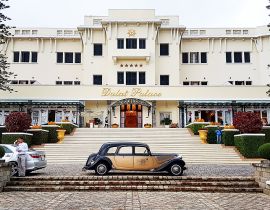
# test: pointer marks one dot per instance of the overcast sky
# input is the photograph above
(192, 13)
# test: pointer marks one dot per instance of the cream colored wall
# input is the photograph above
(167, 106)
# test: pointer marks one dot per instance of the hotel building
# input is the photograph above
(133, 67)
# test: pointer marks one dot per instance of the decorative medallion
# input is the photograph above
(131, 32)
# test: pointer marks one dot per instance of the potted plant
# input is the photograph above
(51, 123)
(174, 125)
(36, 127)
(166, 121)
(115, 125)
(203, 135)
(2, 154)
(264, 152)
(148, 125)
(61, 133)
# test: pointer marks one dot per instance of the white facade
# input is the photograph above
(137, 49)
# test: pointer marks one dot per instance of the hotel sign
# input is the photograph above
(134, 92)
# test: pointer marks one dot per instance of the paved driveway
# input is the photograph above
(133, 200)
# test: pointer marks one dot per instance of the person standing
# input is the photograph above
(219, 134)
(106, 122)
(21, 148)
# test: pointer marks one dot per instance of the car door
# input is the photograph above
(123, 158)
(143, 161)
(8, 154)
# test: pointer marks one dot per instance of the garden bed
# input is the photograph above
(196, 126)
(68, 126)
(10, 138)
(228, 136)
(52, 137)
(40, 136)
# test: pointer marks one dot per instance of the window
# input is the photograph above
(247, 57)
(186, 83)
(34, 57)
(68, 82)
(125, 151)
(204, 83)
(120, 78)
(248, 82)
(142, 43)
(120, 43)
(97, 79)
(237, 57)
(25, 57)
(228, 57)
(131, 78)
(195, 83)
(184, 57)
(239, 83)
(236, 32)
(164, 49)
(245, 32)
(14, 82)
(203, 57)
(194, 57)
(58, 82)
(164, 79)
(131, 43)
(77, 57)
(77, 82)
(68, 57)
(142, 151)
(111, 151)
(141, 77)
(7, 150)
(16, 57)
(230, 82)
(59, 57)
(97, 49)
(23, 82)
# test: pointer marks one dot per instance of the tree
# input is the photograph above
(4, 34)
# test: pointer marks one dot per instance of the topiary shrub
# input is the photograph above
(211, 134)
(195, 127)
(52, 138)
(247, 122)
(2, 152)
(39, 136)
(264, 151)
(10, 138)
(69, 127)
(228, 137)
(2, 130)
(266, 131)
(18, 122)
(248, 144)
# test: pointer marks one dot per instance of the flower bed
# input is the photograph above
(52, 137)
(10, 138)
(228, 136)
(196, 126)
(39, 136)
(248, 144)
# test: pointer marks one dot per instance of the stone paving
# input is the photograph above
(133, 200)
(193, 170)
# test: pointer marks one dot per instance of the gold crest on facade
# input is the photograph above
(131, 32)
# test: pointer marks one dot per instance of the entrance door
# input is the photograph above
(51, 117)
(131, 119)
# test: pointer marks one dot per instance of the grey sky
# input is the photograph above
(192, 13)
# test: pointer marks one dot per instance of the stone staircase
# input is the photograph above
(134, 183)
(77, 147)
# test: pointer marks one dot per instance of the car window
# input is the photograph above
(7, 150)
(111, 151)
(141, 151)
(125, 151)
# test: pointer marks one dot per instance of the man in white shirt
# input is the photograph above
(21, 148)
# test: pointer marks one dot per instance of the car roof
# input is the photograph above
(123, 143)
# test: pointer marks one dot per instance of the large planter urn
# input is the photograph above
(203, 136)
(61, 135)
(115, 125)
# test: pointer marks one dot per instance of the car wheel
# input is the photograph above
(101, 169)
(176, 169)
(14, 169)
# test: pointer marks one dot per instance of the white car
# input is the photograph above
(35, 159)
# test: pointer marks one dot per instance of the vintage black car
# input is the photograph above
(133, 156)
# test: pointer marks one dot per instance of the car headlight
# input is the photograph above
(92, 162)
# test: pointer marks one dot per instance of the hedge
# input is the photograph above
(266, 131)
(69, 127)
(211, 134)
(248, 144)
(10, 138)
(196, 126)
(52, 138)
(39, 136)
(228, 136)
(2, 130)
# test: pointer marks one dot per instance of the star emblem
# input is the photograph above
(131, 32)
